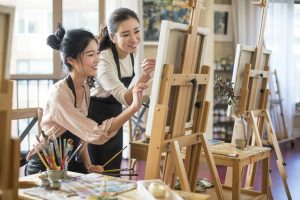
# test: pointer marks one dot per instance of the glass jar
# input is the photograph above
(240, 127)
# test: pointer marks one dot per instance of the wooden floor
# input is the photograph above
(290, 155)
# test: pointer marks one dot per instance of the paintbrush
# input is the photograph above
(60, 150)
(53, 156)
(117, 170)
(55, 144)
(74, 153)
(44, 150)
(119, 174)
(41, 158)
(114, 157)
(69, 147)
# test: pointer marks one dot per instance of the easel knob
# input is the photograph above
(194, 81)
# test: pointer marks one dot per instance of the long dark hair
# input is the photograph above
(71, 44)
(116, 18)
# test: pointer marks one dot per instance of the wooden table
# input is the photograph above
(33, 180)
(226, 154)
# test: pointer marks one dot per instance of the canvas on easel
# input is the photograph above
(178, 110)
(9, 147)
(250, 77)
(245, 55)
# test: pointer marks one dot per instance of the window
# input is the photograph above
(297, 48)
(81, 14)
(33, 66)
(33, 24)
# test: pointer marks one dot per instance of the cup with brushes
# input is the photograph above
(55, 157)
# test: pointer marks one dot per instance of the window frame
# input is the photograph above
(58, 73)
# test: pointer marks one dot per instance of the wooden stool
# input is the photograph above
(227, 155)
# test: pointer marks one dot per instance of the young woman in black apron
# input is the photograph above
(118, 42)
(65, 114)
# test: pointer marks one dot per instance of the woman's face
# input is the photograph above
(127, 37)
(88, 61)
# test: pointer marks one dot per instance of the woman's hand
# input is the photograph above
(148, 67)
(95, 169)
(137, 94)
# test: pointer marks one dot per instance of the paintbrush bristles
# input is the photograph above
(56, 153)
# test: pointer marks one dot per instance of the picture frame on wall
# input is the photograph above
(154, 11)
(223, 24)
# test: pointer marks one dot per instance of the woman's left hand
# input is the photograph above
(95, 169)
(148, 66)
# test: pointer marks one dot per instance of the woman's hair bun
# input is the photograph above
(60, 32)
(55, 39)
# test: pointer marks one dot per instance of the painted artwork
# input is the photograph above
(157, 10)
(223, 29)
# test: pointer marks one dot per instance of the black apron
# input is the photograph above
(101, 109)
(35, 165)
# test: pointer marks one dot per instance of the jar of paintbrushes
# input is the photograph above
(55, 155)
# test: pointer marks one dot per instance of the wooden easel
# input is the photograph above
(191, 87)
(253, 103)
(9, 147)
(276, 110)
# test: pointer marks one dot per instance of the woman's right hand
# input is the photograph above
(148, 66)
(137, 94)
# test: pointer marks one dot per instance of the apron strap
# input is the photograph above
(132, 62)
(116, 58)
(71, 86)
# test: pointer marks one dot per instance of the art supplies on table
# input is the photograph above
(83, 186)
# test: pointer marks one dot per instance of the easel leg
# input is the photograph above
(194, 161)
(251, 170)
(212, 167)
(169, 171)
(14, 166)
(179, 166)
(279, 161)
(250, 177)
(152, 170)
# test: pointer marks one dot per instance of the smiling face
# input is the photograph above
(86, 63)
(127, 37)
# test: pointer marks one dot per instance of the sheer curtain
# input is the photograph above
(246, 21)
(278, 37)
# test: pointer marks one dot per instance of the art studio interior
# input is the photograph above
(149, 99)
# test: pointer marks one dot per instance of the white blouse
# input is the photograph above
(107, 80)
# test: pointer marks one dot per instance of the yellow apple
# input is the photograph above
(157, 189)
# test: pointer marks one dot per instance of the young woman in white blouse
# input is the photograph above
(65, 114)
(118, 42)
